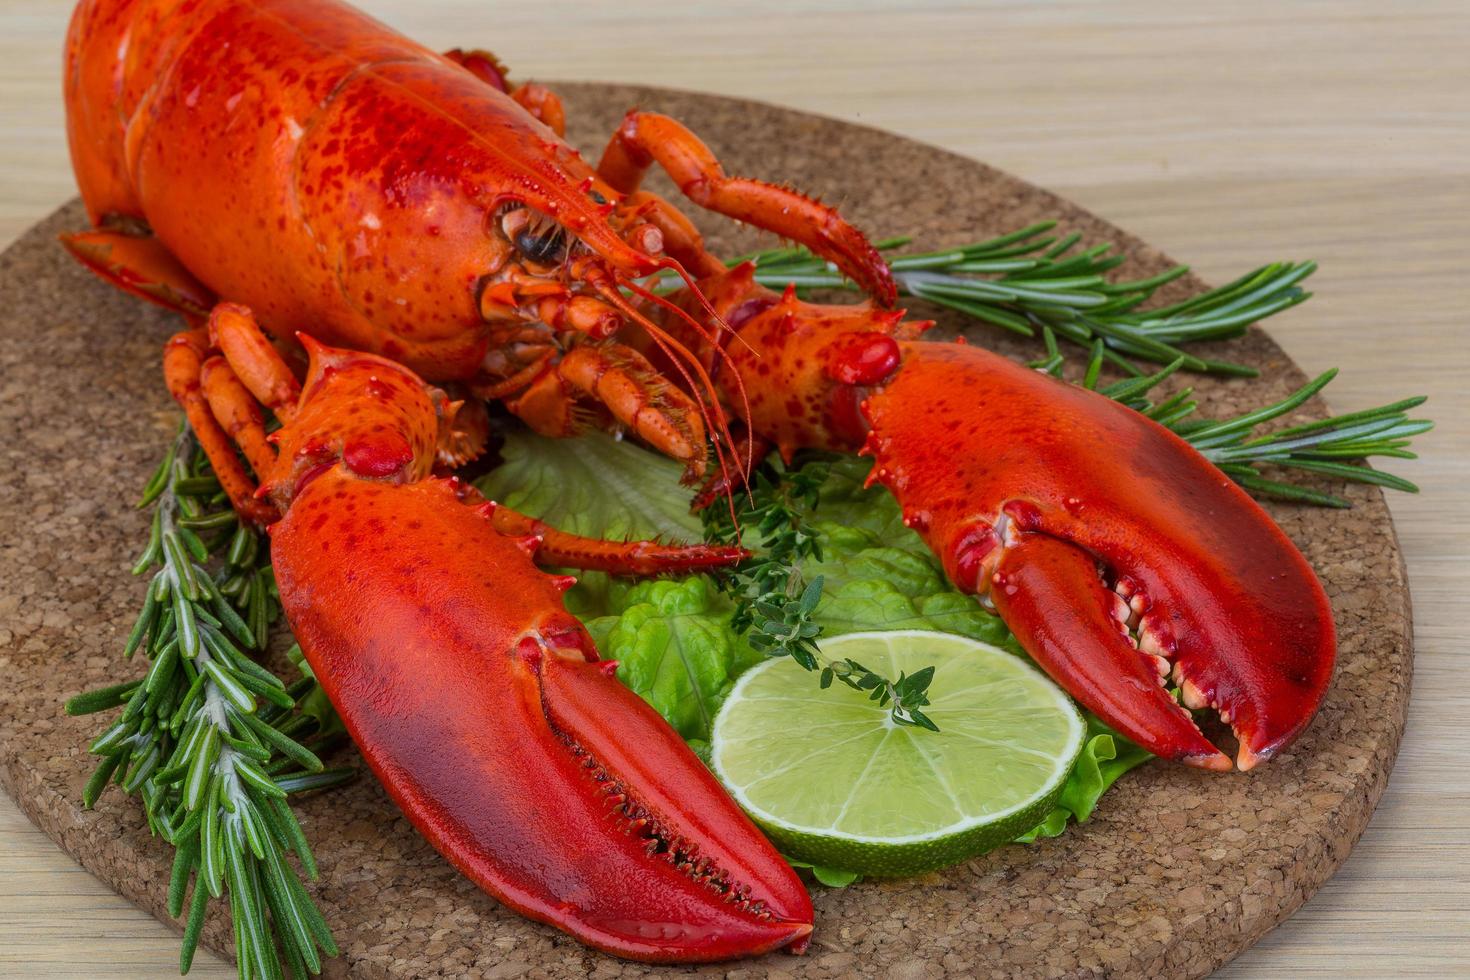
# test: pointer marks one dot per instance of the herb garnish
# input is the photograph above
(774, 603)
(209, 739)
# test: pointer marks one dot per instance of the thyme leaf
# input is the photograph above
(775, 603)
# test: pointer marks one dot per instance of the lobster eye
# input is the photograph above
(536, 237)
(545, 247)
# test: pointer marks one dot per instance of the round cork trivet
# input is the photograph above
(1175, 873)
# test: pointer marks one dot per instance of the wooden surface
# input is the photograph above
(1226, 137)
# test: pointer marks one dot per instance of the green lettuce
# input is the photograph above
(674, 645)
(1106, 756)
(596, 486)
(831, 877)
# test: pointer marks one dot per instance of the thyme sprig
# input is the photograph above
(1029, 280)
(775, 604)
(211, 741)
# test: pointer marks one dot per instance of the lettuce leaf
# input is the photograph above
(831, 877)
(594, 485)
(675, 648)
(844, 502)
(597, 486)
(1106, 756)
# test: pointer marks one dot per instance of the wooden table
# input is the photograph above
(1228, 136)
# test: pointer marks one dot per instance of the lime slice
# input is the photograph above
(835, 782)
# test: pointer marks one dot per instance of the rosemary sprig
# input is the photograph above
(1029, 281)
(774, 604)
(1335, 446)
(210, 740)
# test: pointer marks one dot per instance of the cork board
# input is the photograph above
(1177, 871)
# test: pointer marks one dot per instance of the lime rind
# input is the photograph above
(834, 781)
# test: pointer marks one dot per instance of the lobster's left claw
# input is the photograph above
(1118, 555)
(1094, 530)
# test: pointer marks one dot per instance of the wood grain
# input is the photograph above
(1226, 136)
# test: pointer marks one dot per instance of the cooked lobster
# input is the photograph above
(422, 215)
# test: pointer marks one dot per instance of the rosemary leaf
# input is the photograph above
(205, 728)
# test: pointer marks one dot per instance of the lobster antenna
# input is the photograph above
(718, 351)
(668, 262)
(678, 355)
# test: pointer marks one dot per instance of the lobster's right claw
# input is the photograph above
(478, 702)
(1119, 556)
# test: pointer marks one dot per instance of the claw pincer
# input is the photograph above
(1121, 558)
(479, 701)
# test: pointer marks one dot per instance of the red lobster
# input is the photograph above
(419, 211)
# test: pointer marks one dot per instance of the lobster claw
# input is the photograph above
(1118, 555)
(478, 702)
(1049, 592)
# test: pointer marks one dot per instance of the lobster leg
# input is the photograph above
(183, 363)
(483, 65)
(623, 382)
(638, 396)
(538, 100)
(237, 412)
(646, 138)
(258, 365)
(554, 547)
(139, 264)
(542, 103)
(678, 236)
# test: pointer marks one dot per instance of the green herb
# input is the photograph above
(209, 740)
(1333, 446)
(1030, 281)
(775, 605)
